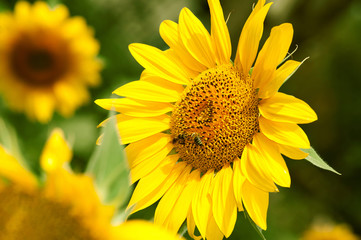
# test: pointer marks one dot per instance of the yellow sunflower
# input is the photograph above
(328, 231)
(47, 60)
(64, 206)
(205, 134)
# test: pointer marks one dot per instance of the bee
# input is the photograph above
(180, 139)
(197, 139)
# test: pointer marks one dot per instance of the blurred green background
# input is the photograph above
(329, 31)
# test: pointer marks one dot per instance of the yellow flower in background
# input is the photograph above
(205, 134)
(47, 60)
(327, 231)
(63, 206)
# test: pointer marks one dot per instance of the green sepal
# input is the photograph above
(254, 225)
(288, 56)
(109, 166)
(316, 160)
(289, 76)
(53, 3)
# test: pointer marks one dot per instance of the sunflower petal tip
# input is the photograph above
(133, 46)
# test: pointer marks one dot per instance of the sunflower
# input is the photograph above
(206, 134)
(64, 206)
(47, 60)
(328, 231)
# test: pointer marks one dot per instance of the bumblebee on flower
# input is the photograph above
(206, 135)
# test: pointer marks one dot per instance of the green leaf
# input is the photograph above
(109, 167)
(4, 7)
(255, 226)
(316, 160)
(8, 139)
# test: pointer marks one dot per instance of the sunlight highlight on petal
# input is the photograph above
(276, 46)
(196, 38)
(289, 134)
(250, 37)
(286, 108)
(224, 204)
(202, 203)
(159, 63)
(219, 33)
(144, 90)
(133, 129)
(256, 203)
(135, 108)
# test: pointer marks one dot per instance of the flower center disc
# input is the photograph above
(215, 118)
(39, 58)
(32, 217)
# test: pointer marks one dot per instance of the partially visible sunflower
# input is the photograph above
(64, 206)
(329, 231)
(205, 134)
(47, 60)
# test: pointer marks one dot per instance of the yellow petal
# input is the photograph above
(272, 160)
(182, 204)
(135, 108)
(134, 129)
(12, 170)
(138, 229)
(157, 62)
(219, 33)
(173, 207)
(281, 75)
(196, 38)
(22, 11)
(224, 203)
(145, 148)
(150, 183)
(149, 164)
(48, 17)
(251, 35)
(285, 108)
(252, 165)
(213, 231)
(144, 90)
(40, 106)
(289, 134)
(169, 32)
(256, 204)
(292, 152)
(70, 94)
(191, 225)
(238, 180)
(56, 152)
(162, 82)
(152, 187)
(273, 52)
(172, 55)
(202, 203)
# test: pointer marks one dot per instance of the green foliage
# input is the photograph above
(316, 160)
(8, 139)
(109, 167)
(254, 225)
(325, 30)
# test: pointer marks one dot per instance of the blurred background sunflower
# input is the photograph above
(47, 60)
(327, 31)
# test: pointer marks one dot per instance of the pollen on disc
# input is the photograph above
(215, 118)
